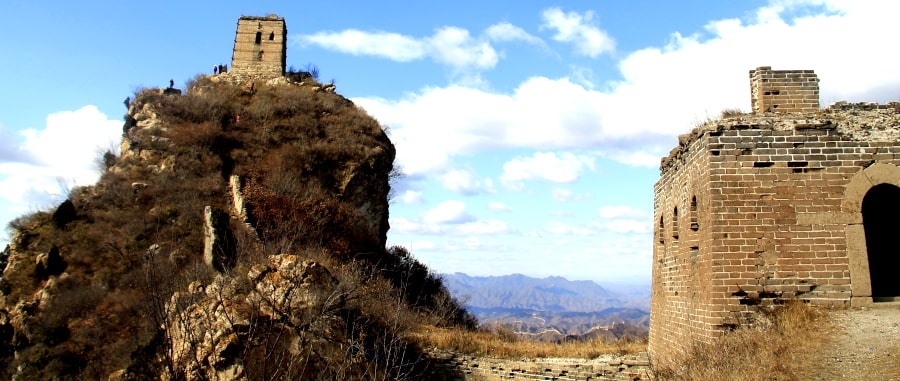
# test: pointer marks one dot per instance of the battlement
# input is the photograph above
(783, 91)
(260, 48)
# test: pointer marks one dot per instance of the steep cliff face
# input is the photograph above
(239, 229)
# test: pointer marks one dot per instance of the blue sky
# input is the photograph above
(530, 132)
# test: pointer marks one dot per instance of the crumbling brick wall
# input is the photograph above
(784, 90)
(757, 208)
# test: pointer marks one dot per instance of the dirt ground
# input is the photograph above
(864, 345)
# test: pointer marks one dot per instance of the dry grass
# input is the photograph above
(500, 345)
(780, 345)
(731, 112)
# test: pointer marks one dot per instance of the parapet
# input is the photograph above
(783, 91)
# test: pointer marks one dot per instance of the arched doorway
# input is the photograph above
(881, 221)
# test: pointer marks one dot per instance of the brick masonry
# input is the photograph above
(756, 208)
(784, 90)
(260, 48)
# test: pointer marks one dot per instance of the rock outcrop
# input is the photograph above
(240, 234)
(219, 325)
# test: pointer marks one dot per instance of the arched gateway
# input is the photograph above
(872, 202)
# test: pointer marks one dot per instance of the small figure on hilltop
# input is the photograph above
(127, 102)
(171, 83)
(215, 70)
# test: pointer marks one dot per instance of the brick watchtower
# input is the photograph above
(260, 47)
(788, 202)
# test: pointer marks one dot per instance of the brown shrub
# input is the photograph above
(776, 344)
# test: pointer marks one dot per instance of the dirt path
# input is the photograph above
(865, 345)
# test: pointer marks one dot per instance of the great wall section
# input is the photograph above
(787, 202)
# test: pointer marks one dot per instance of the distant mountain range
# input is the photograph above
(536, 306)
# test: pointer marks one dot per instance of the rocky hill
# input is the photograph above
(240, 234)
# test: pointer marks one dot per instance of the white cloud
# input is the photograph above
(623, 219)
(448, 212)
(504, 31)
(464, 181)
(473, 244)
(564, 168)
(580, 30)
(71, 141)
(392, 46)
(411, 197)
(36, 172)
(455, 47)
(424, 245)
(620, 211)
(404, 225)
(484, 227)
(663, 90)
(63, 153)
(495, 206)
(566, 195)
(448, 45)
(10, 150)
(560, 228)
(623, 226)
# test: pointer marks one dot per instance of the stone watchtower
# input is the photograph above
(788, 202)
(260, 47)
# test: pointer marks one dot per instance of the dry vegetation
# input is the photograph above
(779, 345)
(499, 342)
(127, 244)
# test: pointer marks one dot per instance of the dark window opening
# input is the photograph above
(272, 36)
(763, 164)
(661, 231)
(258, 37)
(795, 164)
(695, 224)
(881, 221)
(675, 223)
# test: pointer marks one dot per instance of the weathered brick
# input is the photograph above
(751, 214)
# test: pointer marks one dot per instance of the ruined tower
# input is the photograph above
(784, 90)
(260, 47)
(788, 202)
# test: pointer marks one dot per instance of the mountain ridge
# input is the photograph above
(551, 308)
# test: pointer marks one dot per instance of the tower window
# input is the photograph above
(272, 36)
(675, 223)
(661, 231)
(258, 37)
(695, 224)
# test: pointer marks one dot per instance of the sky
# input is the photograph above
(529, 133)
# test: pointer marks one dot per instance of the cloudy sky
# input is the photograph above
(530, 135)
